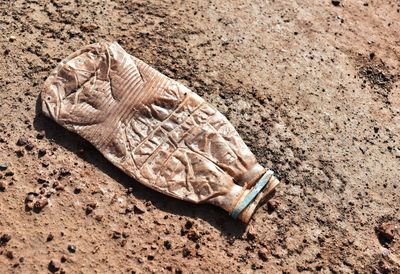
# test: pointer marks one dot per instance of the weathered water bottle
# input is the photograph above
(155, 129)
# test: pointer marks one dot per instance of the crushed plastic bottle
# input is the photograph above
(155, 129)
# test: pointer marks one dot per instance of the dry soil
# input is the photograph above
(313, 87)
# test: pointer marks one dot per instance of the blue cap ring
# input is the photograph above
(262, 182)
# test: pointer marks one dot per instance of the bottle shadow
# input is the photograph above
(216, 217)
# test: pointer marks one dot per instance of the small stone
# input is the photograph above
(22, 141)
(29, 205)
(9, 173)
(185, 252)
(188, 224)
(42, 181)
(40, 204)
(63, 259)
(77, 190)
(59, 188)
(372, 55)
(10, 255)
(3, 166)
(251, 235)
(385, 233)
(89, 27)
(29, 146)
(4, 239)
(3, 186)
(167, 244)
(12, 38)
(98, 217)
(54, 266)
(125, 234)
(30, 197)
(193, 236)
(336, 2)
(272, 205)
(71, 248)
(90, 207)
(385, 252)
(88, 210)
(41, 152)
(262, 255)
(20, 153)
(384, 267)
(64, 172)
(45, 164)
(116, 235)
(138, 210)
(40, 135)
(150, 257)
(129, 208)
(129, 190)
(50, 237)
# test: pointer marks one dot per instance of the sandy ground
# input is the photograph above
(313, 87)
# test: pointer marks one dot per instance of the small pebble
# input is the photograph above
(167, 244)
(386, 232)
(3, 166)
(251, 236)
(185, 252)
(22, 141)
(98, 217)
(193, 236)
(64, 172)
(188, 224)
(336, 2)
(129, 190)
(50, 237)
(41, 152)
(54, 266)
(71, 248)
(138, 210)
(3, 186)
(59, 188)
(9, 173)
(272, 205)
(20, 153)
(88, 210)
(4, 239)
(129, 208)
(40, 204)
(262, 255)
(40, 135)
(12, 38)
(30, 197)
(116, 235)
(29, 146)
(10, 255)
(150, 257)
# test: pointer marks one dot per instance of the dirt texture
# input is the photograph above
(313, 87)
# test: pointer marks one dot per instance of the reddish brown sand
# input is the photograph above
(313, 87)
